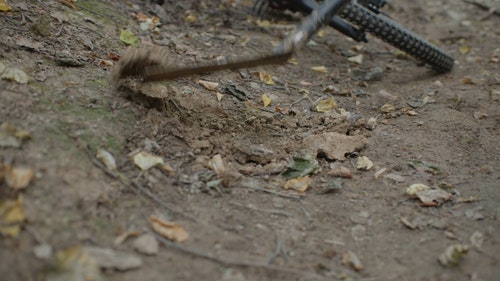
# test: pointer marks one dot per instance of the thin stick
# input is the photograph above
(291, 44)
(491, 10)
(232, 262)
(136, 186)
(268, 211)
(290, 196)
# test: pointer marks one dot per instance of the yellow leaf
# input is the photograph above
(169, 230)
(300, 184)
(326, 105)
(146, 160)
(321, 33)
(219, 96)
(266, 100)
(263, 23)
(128, 37)
(319, 69)
(4, 7)
(293, 61)
(11, 217)
(266, 78)
(468, 80)
(211, 86)
(356, 59)
(464, 49)
(387, 108)
(189, 17)
(75, 263)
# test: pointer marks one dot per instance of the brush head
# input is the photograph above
(133, 62)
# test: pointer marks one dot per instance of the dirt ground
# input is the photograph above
(227, 157)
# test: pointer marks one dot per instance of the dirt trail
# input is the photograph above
(227, 156)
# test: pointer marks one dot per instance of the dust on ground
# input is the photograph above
(225, 155)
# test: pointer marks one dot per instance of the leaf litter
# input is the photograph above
(169, 230)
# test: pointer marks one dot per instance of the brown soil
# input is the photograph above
(443, 131)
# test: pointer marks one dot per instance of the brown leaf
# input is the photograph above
(17, 178)
(300, 184)
(169, 230)
(266, 78)
(433, 197)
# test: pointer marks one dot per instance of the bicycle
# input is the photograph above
(152, 65)
(367, 16)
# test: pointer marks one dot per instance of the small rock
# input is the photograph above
(43, 251)
(375, 74)
(146, 244)
(395, 177)
(111, 259)
(474, 214)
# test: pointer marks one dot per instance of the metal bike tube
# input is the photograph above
(310, 25)
(292, 43)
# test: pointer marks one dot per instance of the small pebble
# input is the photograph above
(146, 244)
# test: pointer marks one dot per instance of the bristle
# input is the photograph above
(133, 61)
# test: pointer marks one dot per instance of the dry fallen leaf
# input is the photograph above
(293, 61)
(266, 78)
(211, 86)
(387, 108)
(106, 158)
(141, 17)
(14, 74)
(319, 69)
(169, 230)
(18, 177)
(300, 184)
(364, 163)
(219, 96)
(75, 264)
(266, 100)
(433, 197)
(453, 254)
(416, 187)
(356, 59)
(11, 136)
(464, 49)
(11, 217)
(263, 23)
(326, 105)
(4, 7)
(217, 164)
(350, 259)
(146, 161)
(189, 17)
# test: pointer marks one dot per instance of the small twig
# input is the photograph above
(284, 195)
(232, 262)
(269, 211)
(278, 251)
(491, 10)
(133, 183)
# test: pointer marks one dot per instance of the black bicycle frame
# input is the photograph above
(310, 25)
